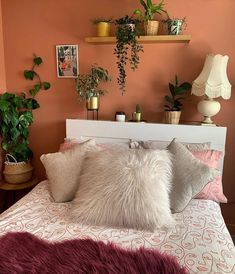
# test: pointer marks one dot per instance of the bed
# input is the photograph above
(199, 239)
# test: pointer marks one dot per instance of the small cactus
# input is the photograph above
(138, 108)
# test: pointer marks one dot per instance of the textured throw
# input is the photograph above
(25, 253)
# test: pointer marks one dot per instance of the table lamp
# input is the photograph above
(212, 82)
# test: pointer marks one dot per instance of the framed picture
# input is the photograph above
(67, 61)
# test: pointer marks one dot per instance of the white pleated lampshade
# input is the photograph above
(213, 80)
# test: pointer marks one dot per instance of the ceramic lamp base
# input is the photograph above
(208, 108)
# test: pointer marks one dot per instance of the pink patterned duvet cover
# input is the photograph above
(199, 240)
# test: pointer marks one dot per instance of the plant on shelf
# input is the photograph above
(126, 40)
(87, 86)
(175, 25)
(150, 9)
(174, 101)
(103, 26)
(16, 115)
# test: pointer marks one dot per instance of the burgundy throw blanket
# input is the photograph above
(25, 253)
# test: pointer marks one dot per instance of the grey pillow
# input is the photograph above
(163, 145)
(190, 176)
(125, 188)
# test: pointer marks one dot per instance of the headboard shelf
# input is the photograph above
(111, 131)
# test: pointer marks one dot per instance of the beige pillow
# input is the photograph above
(163, 145)
(125, 188)
(190, 176)
(63, 170)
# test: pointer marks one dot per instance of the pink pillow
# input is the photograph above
(214, 190)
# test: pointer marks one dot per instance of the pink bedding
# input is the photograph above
(199, 239)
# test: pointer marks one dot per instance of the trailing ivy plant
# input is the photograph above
(16, 115)
(127, 48)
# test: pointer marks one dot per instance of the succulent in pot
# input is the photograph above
(16, 115)
(150, 9)
(87, 86)
(127, 48)
(174, 101)
(137, 113)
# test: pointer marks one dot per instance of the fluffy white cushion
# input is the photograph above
(63, 170)
(190, 176)
(125, 188)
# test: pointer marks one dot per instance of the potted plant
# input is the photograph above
(175, 25)
(174, 105)
(15, 118)
(127, 47)
(87, 86)
(137, 114)
(150, 9)
(103, 26)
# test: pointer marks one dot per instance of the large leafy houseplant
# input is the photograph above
(87, 85)
(174, 101)
(16, 115)
(127, 47)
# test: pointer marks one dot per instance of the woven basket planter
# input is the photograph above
(172, 117)
(17, 173)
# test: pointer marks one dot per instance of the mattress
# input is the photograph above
(199, 239)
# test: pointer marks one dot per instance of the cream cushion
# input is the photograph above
(124, 188)
(63, 170)
(190, 176)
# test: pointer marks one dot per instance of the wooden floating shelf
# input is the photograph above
(143, 39)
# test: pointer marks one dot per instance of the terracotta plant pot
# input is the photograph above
(103, 29)
(93, 103)
(17, 173)
(172, 117)
(151, 27)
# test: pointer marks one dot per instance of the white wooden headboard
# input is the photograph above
(107, 131)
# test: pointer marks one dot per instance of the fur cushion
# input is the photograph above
(63, 170)
(125, 188)
(190, 176)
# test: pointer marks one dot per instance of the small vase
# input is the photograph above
(136, 116)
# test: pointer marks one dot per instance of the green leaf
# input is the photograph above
(46, 85)
(187, 86)
(138, 12)
(172, 89)
(37, 87)
(32, 104)
(29, 74)
(169, 99)
(37, 60)
(32, 92)
(144, 4)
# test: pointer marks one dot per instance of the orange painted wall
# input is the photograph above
(37, 26)
(2, 59)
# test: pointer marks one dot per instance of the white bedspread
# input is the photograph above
(199, 240)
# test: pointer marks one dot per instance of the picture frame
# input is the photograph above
(67, 61)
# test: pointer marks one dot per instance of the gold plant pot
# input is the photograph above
(151, 27)
(103, 29)
(93, 103)
(172, 117)
(136, 116)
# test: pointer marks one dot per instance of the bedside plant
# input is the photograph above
(126, 36)
(87, 86)
(15, 118)
(174, 105)
(150, 9)
(137, 114)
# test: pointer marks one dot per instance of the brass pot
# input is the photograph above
(172, 117)
(93, 103)
(136, 116)
(103, 29)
